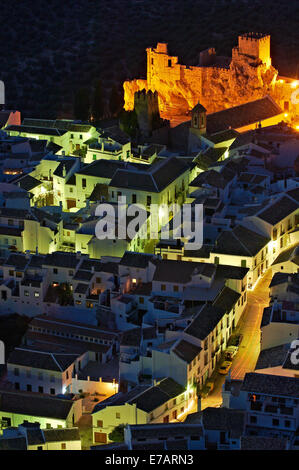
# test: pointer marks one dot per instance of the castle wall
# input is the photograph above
(180, 87)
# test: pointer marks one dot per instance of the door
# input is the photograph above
(100, 437)
(71, 203)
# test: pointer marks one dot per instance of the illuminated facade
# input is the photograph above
(217, 82)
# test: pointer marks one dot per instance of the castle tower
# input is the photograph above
(256, 45)
(199, 119)
(147, 110)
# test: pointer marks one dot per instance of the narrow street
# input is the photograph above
(249, 328)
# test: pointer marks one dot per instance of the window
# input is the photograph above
(253, 419)
(169, 62)
(216, 260)
(94, 157)
(98, 280)
(163, 287)
(287, 423)
(117, 415)
(36, 294)
(11, 272)
(40, 389)
(134, 198)
(52, 391)
(275, 422)
(55, 271)
(83, 183)
(243, 263)
(175, 288)
(63, 446)
(29, 388)
(148, 200)
(26, 293)
(99, 423)
(141, 300)
(17, 386)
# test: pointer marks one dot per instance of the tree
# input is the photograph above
(117, 435)
(97, 107)
(115, 101)
(82, 105)
(128, 122)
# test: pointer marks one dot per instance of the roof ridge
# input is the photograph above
(56, 362)
(244, 246)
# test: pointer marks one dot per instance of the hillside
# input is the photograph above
(52, 48)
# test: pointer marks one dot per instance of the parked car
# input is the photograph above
(230, 352)
(224, 367)
(236, 340)
(207, 389)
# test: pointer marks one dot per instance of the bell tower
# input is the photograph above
(199, 119)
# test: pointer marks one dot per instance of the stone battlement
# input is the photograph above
(217, 83)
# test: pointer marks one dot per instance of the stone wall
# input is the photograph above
(249, 76)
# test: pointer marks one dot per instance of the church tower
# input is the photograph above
(199, 119)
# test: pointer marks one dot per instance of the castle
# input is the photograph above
(217, 82)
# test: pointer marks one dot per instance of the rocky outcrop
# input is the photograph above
(246, 79)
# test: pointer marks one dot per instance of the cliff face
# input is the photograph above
(246, 79)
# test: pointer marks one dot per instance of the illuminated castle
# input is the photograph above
(217, 82)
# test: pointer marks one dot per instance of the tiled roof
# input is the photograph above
(272, 357)
(278, 210)
(41, 360)
(61, 259)
(35, 130)
(263, 443)
(66, 164)
(205, 321)
(155, 179)
(227, 299)
(157, 395)
(28, 182)
(136, 260)
(212, 155)
(242, 115)
(275, 385)
(240, 242)
(181, 272)
(59, 435)
(42, 406)
(186, 350)
(224, 419)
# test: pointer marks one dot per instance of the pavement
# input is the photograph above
(248, 353)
